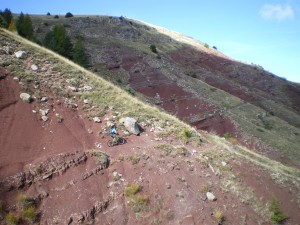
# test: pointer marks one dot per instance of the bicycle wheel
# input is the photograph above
(121, 141)
(110, 143)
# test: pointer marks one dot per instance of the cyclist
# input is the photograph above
(113, 133)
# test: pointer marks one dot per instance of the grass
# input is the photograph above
(30, 214)
(138, 202)
(24, 202)
(132, 189)
(12, 219)
(219, 216)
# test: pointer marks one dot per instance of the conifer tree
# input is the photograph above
(79, 55)
(24, 26)
(7, 17)
(58, 41)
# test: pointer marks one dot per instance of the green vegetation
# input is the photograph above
(153, 48)
(68, 14)
(12, 219)
(79, 55)
(58, 41)
(24, 26)
(138, 202)
(24, 202)
(30, 214)
(132, 189)
(219, 216)
(277, 215)
(5, 18)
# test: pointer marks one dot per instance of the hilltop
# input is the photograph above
(64, 168)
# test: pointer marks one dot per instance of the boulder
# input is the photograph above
(131, 125)
(21, 54)
(26, 97)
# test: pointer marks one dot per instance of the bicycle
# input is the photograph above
(119, 141)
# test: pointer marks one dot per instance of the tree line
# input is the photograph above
(56, 39)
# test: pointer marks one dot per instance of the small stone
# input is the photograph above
(44, 99)
(34, 67)
(86, 101)
(87, 88)
(26, 97)
(16, 79)
(223, 163)
(21, 54)
(44, 112)
(168, 186)
(45, 118)
(72, 88)
(97, 119)
(210, 196)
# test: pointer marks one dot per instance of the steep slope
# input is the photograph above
(68, 175)
(197, 84)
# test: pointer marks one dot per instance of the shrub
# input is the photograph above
(132, 189)
(227, 135)
(185, 134)
(206, 45)
(204, 188)
(68, 14)
(30, 214)
(277, 215)
(153, 48)
(218, 214)
(12, 219)
(139, 203)
(56, 17)
(48, 14)
(24, 202)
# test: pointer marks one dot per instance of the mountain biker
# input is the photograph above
(113, 132)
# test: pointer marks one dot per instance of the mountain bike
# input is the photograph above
(116, 141)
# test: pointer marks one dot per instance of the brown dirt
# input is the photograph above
(80, 191)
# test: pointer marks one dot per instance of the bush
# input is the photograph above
(185, 134)
(24, 202)
(277, 215)
(153, 48)
(30, 214)
(139, 203)
(48, 14)
(56, 17)
(12, 219)
(68, 14)
(218, 214)
(227, 135)
(132, 189)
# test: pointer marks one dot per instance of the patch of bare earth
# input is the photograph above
(61, 166)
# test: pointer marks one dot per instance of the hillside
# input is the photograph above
(191, 81)
(54, 159)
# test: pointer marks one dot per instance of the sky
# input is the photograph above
(261, 32)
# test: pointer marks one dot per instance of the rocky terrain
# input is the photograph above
(191, 81)
(55, 161)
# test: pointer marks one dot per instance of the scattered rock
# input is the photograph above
(21, 54)
(87, 88)
(44, 99)
(45, 118)
(86, 101)
(6, 50)
(72, 88)
(131, 125)
(97, 119)
(34, 67)
(26, 97)
(210, 196)
(168, 186)
(44, 112)
(16, 79)
(223, 163)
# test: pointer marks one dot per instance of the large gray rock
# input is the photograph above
(131, 125)
(21, 54)
(26, 97)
